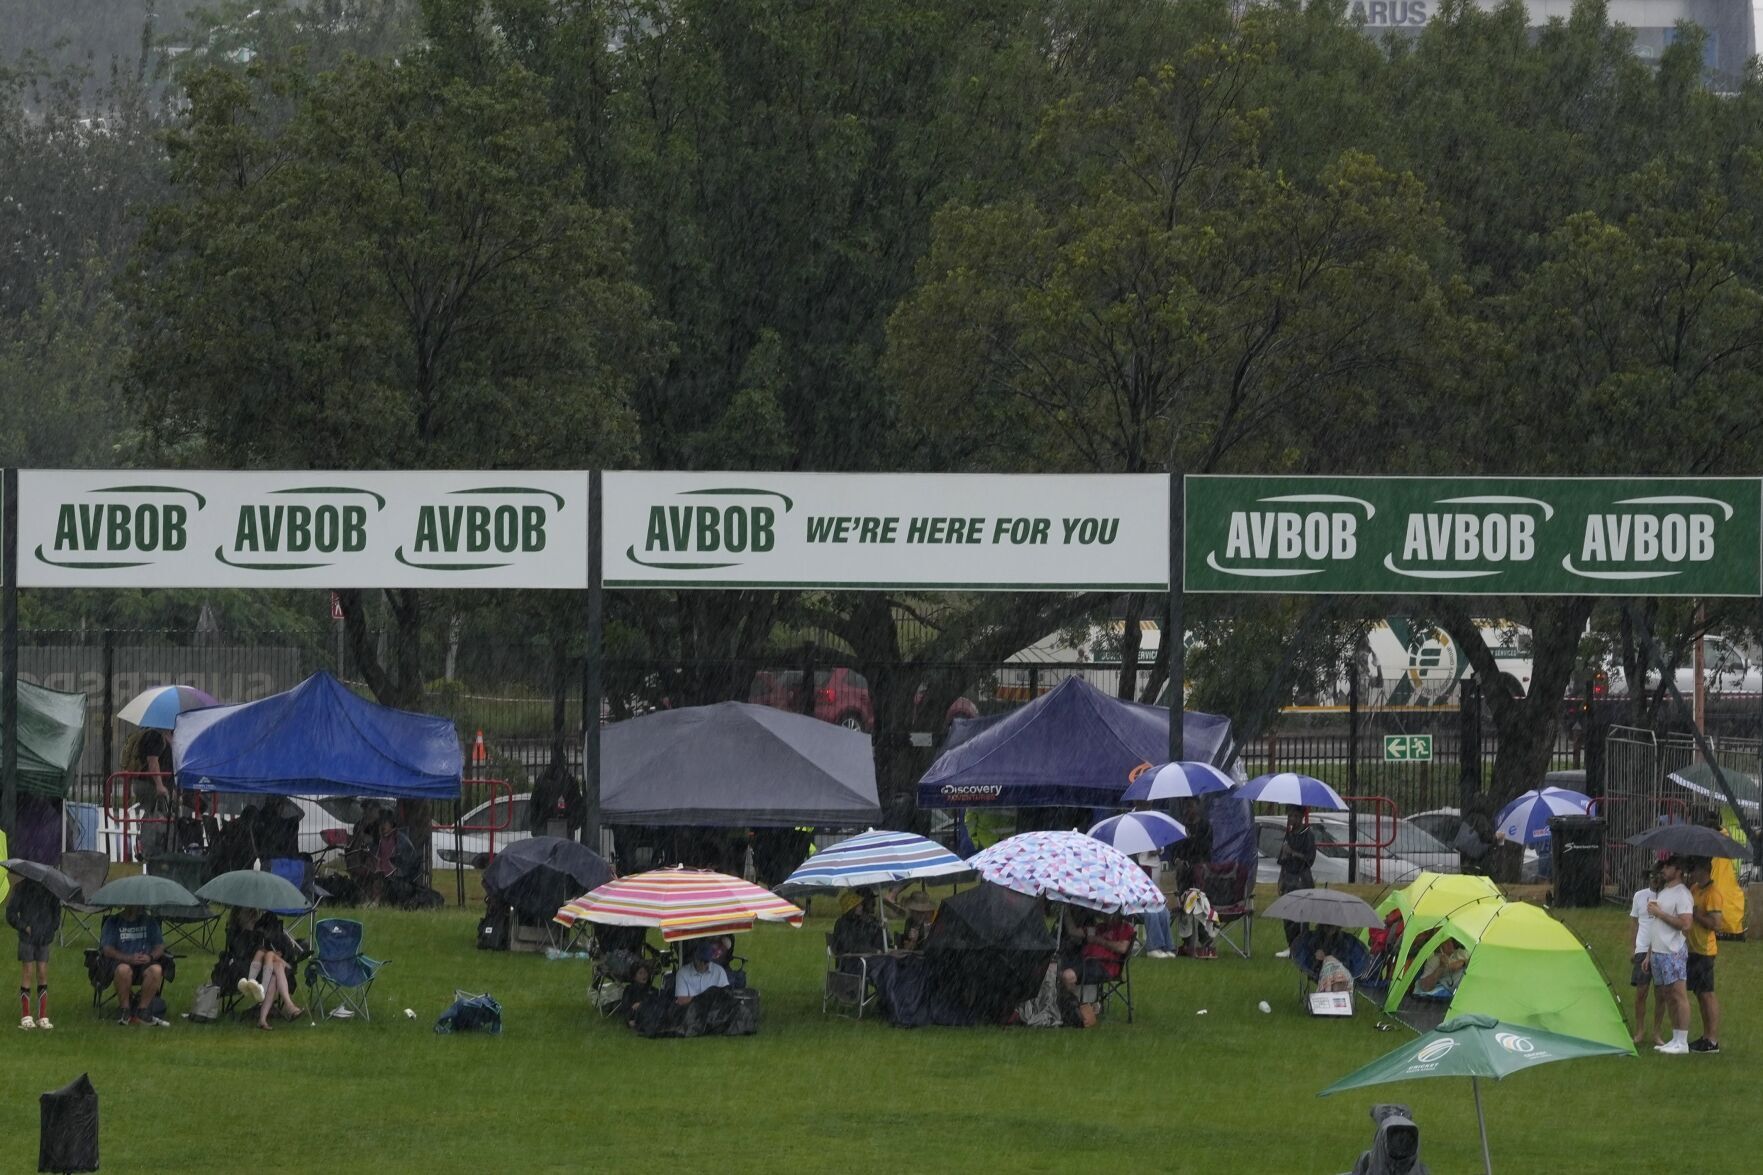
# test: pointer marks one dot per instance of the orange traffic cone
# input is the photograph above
(479, 756)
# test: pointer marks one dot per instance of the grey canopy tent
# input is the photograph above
(736, 765)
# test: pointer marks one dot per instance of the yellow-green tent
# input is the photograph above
(1426, 902)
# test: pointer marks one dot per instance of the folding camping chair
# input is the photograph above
(90, 870)
(340, 970)
(103, 988)
(191, 926)
(1119, 989)
(848, 989)
(1230, 887)
(297, 871)
(1354, 955)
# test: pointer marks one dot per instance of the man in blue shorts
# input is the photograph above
(132, 953)
(1668, 954)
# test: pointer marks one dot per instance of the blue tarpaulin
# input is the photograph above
(1074, 746)
(317, 739)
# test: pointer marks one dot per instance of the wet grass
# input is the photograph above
(561, 1089)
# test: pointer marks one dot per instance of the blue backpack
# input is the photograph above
(471, 1013)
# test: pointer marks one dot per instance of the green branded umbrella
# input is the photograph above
(253, 889)
(1475, 1047)
(143, 889)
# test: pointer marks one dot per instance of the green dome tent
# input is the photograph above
(1427, 901)
(51, 735)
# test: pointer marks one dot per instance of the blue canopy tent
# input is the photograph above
(318, 739)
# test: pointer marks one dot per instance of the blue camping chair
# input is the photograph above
(338, 971)
(297, 872)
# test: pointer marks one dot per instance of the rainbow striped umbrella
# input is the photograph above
(874, 858)
(682, 903)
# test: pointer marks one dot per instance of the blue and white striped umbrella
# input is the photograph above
(1526, 818)
(874, 858)
(1288, 787)
(159, 707)
(1139, 832)
(1174, 781)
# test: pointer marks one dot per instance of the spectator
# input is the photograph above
(858, 931)
(1194, 851)
(131, 953)
(1668, 955)
(35, 913)
(271, 964)
(148, 753)
(638, 988)
(1641, 973)
(1707, 921)
(700, 976)
(921, 908)
(1444, 971)
(1297, 855)
(1105, 943)
(1476, 835)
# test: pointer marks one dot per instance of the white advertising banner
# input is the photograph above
(929, 531)
(180, 528)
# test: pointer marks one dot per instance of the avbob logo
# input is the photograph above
(707, 533)
(1299, 531)
(108, 534)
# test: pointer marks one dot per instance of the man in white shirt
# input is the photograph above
(1668, 954)
(702, 975)
(1641, 973)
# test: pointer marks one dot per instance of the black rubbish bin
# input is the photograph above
(69, 1139)
(1578, 847)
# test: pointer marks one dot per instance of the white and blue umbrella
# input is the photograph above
(1526, 818)
(1139, 832)
(1175, 781)
(158, 708)
(874, 858)
(1288, 787)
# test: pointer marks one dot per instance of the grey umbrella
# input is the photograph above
(253, 890)
(1689, 840)
(65, 888)
(1325, 907)
(143, 889)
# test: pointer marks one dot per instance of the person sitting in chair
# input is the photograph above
(131, 953)
(700, 976)
(637, 989)
(1106, 942)
(1444, 971)
(921, 910)
(858, 930)
(259, 938)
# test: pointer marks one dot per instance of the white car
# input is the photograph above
(469, 845)
(1270, 831)
(1392, 866)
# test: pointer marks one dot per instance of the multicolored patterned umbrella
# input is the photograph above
(1527, 817)
(1174, 781)
(1288, 787)
(1140, 832)
(681, 903)
(874, 858)
(158, 708)
(1069, 867)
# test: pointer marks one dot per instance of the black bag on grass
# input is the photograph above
(492, 930)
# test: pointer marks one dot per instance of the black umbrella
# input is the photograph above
(537, 875)
(1324, 907)
(1689, 840)
(65, 888)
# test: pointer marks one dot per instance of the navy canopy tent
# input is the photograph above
(318, 739)
(1074, 746)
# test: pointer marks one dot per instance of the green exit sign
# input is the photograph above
(1407, 748)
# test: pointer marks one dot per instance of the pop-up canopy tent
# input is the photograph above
(51, 734)
(1073, 746)
(318, 739)
(736, 765)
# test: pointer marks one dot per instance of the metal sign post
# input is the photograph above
(9, 651)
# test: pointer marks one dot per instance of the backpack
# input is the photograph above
(471, 1013)
(492, 930)
(206, 1009)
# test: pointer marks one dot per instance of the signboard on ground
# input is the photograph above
(1407, 748)
(1474, 535)
(179, 528)
(927, 531)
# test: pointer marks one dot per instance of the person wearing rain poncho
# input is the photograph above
(1396, 1148)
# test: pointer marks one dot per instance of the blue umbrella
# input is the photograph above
(875, 858)
(1526, 818)
(158, 708)
(1288, 787)
(1174, 781)
(1139, 832)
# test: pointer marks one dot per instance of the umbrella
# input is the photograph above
(143, 889)
(1069, 867)
(1526, 818)
(1474, 1047)
(1325, 907)
(1689, 840)
(1139, 832)
(254, 890)
(65, 888)
(1174, 781)
(537, 875)
(874, 858)
(158, 708)
(683, 903)
(1288, 787)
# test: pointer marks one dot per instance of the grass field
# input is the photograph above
(561, 1089)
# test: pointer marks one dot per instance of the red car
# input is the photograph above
(840, 695)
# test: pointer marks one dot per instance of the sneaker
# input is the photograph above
(1704, 1045)
(27, 1024)
(156, 1022)
(1672, 1049)
(43, 1023)
(340, 1013)
(252, 991)
(126, 1019)
(1285, 954)
(1206, 953)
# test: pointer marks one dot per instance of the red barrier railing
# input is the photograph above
(1384, 816)
(498, 813)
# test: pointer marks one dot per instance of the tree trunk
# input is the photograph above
(1132, 638)
(395, 681)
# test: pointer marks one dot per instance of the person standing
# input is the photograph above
(1297, 856)
(35, 913)
(1668, 954)
(1641, 973)
(1703, 940)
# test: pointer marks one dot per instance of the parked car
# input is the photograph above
(1270, 831)
(841, 695)
(471, 847)
(1441, 824)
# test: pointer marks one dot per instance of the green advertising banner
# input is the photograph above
(1619, 536)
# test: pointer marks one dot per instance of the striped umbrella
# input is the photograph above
(682, 903)
(1288, 787)
(1139, 832)
(874, 858)
(1069, 867)
(1526, 818)
(158, 708)
(1174, 781)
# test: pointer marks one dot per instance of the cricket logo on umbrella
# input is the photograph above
(1514, 1043)
(1434, 1052)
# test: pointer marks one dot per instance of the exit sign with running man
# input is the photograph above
(1407, 748)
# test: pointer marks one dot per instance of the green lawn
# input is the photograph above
(1232, 1090)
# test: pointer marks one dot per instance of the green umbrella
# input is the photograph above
(1475, 1047)
(255, 890)
(143, 889)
